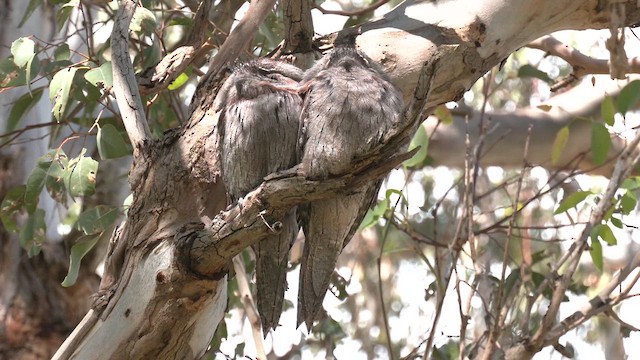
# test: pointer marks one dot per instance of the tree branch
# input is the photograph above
(159, 77)
(581, 63)
(125, 87)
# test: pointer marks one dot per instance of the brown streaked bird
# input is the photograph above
(260, 114)
(349, 105)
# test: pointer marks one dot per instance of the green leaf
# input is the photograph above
(73, 212)
(629, 96)
(65, 11)
(62, 53)
(373, 215)
(80, 175)
(600, 143)
(628, 203)
(23, 50)
(33, 233)
(21, 107)
(608, 110)
(559, 144)
(83, 245)
(595, 250)
(219, 334)
(616, 222)
(143, 21)
(111, 145)
(101, 76)
(607, 235)
(47, 170)
(420, 139)
(572, 201)
(59, 90)
(179, 81)
(97, 219)
(443, 114)
(631, 183)
(526, 71)
(13, 201)
(11, 74)
(33, 5)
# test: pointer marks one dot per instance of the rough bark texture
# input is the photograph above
(167, 291)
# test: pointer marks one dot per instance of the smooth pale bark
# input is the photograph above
(160, 307)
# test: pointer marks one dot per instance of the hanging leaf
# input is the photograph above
(101, 76)
(97, 219)
(33, 5)
(48, 172)
(600, 143)
(80, 175)
(59, 90)
(607, 235)
(83, 245)
(21, 107)
(608, 110)
(572, 201)
(629, 96)
(111, 145)
(595, 250)
(32, 234)
(526, 71)
(13, 201)
(545, 107)
(420, 139)
(23, 50)
(11, 74)
(62, 53)
(616, 222)
(143, 21)
(179, 81)
(628, 203)
(444, 115)
(559, 144)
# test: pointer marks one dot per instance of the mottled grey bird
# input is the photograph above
(260, 117)
(349, 105)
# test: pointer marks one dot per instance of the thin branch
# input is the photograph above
(125, 87)
(249, 305)
(626, 162)
(581, 63)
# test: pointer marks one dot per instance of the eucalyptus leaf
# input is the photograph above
(32, 234)
(600, 143)
(111, 145)
(80, 175)
(59, 90)
(83, 245)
